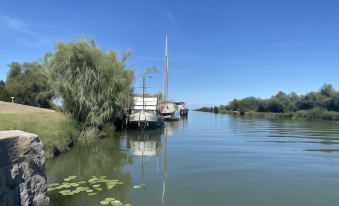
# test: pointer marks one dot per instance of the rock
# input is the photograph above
(22, 169)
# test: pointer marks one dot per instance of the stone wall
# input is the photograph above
(22, 169)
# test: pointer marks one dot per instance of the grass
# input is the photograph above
(55, 129)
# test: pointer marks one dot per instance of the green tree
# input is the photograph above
(29, 85)
(3, 92)
(95, 86)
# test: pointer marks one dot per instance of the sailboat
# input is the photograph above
(167, 108)
(144, 114)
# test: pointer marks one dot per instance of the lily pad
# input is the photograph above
(72, 177)
(116, 203)
(50, 189)
(66, 192)
(66, 186)
(76, 191)
(104, 202)
(92, 193)
(74, 184)
(53, 185)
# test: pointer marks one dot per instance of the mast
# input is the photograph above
(143, 92)
(165, 167)
(166, 72)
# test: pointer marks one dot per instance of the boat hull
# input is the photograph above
(145, 125)
(183, 112)
(145, 119)
(170, 116)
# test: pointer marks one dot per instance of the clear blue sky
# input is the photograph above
(218, 50)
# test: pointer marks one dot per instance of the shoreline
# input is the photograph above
(312, 114)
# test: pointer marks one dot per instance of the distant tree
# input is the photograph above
(327, 90)
(234, 105)
(3, 92)
(29, 85)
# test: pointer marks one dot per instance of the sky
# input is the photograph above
(218, 50)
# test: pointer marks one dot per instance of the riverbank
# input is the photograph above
(56, 130)
(312, 114)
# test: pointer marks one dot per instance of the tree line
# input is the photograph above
(325, 99)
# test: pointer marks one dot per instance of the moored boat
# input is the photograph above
(183, 111)
(167, 108)
(144, 114)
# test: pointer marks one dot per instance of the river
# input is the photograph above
(206, 159)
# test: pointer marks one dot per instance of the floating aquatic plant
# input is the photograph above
(113, 201)
(94, 185)
(66, 192)
(53, 185)
(139, 186)
(104, 202)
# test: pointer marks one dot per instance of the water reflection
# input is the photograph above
(149, 148)
(142, 143)
(84, 162)
(148, 145)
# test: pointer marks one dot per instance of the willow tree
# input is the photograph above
(95, 86)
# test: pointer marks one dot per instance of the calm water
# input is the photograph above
(211, 159)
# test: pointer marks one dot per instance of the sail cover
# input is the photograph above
(150, 102)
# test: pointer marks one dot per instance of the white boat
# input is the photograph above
(144, 114)
(182, 108)
(167, 108)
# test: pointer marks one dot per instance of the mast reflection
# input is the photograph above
(152, 144)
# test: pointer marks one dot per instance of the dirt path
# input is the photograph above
(6, 107)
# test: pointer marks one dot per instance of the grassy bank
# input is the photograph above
(56, 130)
